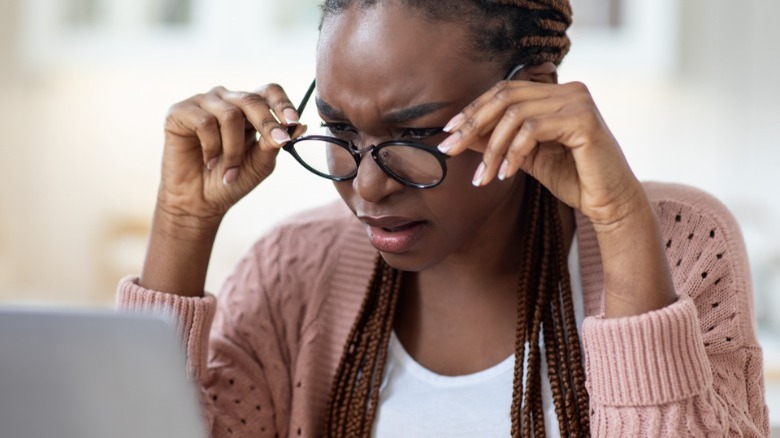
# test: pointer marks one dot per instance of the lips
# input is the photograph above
(393, 234)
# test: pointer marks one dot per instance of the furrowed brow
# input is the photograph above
(328, 111)
(393, 117)
(414, 112)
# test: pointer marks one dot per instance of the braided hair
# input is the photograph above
(521, 32)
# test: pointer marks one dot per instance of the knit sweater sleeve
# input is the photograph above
(244, 360)
(693, 368)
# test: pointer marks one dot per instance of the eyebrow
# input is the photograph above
(393, 117)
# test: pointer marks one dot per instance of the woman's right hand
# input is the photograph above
(212, 157)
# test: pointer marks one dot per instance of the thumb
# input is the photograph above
(262, 157)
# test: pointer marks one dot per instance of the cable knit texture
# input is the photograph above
(266, 363)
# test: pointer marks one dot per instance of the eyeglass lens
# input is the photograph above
(411, 164)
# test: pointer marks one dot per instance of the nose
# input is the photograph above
(371, 183)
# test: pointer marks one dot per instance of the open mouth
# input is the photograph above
(393, 234)
(402, 227)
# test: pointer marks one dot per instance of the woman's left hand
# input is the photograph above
(555, 133)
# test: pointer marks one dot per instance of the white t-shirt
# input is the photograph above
(416, 402)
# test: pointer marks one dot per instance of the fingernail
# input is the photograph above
(479, 175)
(212, 163)
(455, 121)
(503, 169)
(449, 142)
(230, 176)
(280, 136)
(291, 116)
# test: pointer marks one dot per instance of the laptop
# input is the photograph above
(93, 375)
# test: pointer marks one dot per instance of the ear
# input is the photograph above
(545, 72)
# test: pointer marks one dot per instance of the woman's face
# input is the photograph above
(376, 64)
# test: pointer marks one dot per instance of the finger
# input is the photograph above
(231, 126)
(187, 118)
(504, 93)
(280, 104)
(507, 128)
(482, 115)
(548, 128)
(254, 106)
(262, 162)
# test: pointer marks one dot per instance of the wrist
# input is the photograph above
(177, 225)
(629, 210)
(178, 253)
(637, 278)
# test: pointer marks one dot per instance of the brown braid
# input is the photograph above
(354, 397)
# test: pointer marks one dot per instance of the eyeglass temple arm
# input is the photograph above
(516, 69)
(302, 106)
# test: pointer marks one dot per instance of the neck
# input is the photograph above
(490, 261)
(460, 316)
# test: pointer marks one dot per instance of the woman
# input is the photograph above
(502, 211)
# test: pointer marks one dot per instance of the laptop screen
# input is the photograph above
(93, 374)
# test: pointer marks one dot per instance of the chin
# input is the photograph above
(408, 262)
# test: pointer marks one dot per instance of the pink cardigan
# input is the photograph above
(266, 362)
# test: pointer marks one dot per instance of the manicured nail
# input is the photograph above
(230, 176)
(503, 169)
(280, 136)
(454, 122)
(479, 175)
(212, 163)
(449, 142)
(291, 116)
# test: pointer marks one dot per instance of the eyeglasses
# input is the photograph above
(412, 164)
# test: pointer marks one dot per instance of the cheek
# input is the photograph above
(460, 169)
(459, 206)
(344, 188)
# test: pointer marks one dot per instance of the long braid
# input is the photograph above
(569, 345)
(354, 395)
(572, 344)
(557, 343)
(554, 364)
(523, 389)
(533, 409)
(524, 304)
(555, 348)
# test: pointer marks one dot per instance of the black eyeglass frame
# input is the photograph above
(357, 153)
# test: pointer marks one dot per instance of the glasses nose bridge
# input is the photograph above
(360, 151)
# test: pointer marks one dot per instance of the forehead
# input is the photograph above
(393, 56)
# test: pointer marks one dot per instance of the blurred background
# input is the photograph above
(689, 87)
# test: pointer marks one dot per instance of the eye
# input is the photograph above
(339, 128)
(421, 133)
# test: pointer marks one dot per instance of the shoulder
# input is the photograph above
(297, 258)
(668, 196)
(307, 245)
(693, 220)
(292, 269)
(308, 233)
(708, 261)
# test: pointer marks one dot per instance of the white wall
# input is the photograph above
(688, 88)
